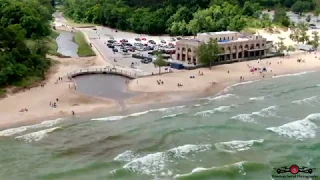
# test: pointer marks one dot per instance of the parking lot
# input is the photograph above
(141, 44)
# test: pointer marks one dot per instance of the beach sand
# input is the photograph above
(218, 77)
(37, 99)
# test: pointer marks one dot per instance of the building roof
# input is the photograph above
(189, 41)
(215, 33)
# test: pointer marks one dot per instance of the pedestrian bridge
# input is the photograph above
(106, 70)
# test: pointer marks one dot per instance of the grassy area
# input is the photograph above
(72, 23)
(28, 81)
(84, 48)
(52, 44)
(2, 92)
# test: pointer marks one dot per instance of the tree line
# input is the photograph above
(182, 17)
(23, 25)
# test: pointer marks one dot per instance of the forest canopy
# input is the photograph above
(23, 25)
(182, 17)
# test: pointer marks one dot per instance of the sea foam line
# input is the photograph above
(227, 89)
(294, 74)
(218, 109)
(239, 165)
(300, 130)
(260, 98)
(234, 146)
(36, 136)
(114, 118)
(219, 97)
(44, 124)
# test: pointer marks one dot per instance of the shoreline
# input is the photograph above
(183, 99)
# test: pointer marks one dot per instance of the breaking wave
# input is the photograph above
(171, 115)
(237, 167)
(234, 146)
(36, 136)
(18, 130)
(220, 97)
(294, 74)
(266, 112)
(308, 100)
(300, 130)
(115, 118)
(260, 98)
(218, 109)
(155, 164)
(244, 118)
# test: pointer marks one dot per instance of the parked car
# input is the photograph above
(112, 38)
(125, 50)
(110, 45)
(172, 39)
(163, 41)
(131, 50)
(143, 39)
(137, 39)
(117, 44)
(146, 61)
(179, 38)
(95, 29)
(152, 42)
(111, 41)
(115, 50)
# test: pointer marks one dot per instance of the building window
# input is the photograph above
(224, 38)
(232, 37)
(228, 37)
(178, 48)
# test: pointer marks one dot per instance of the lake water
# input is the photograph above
(66, 45)
(242, 133)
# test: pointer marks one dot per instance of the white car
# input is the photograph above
(117, 44)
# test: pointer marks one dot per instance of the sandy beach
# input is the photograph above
(213, 80)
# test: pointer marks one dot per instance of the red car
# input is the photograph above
(143, 39)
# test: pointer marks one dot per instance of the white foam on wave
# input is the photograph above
(294, 74)
(126, 156)
(183, 151)
(44, 124)
(244, 118)
(171, 115)
(115, 118)
(260, 98)
(218, 109)
(36, 136)
(239, 165)
(266, 112)
(308, 100)
(220, 97)
(234, 146)
(227, 89)
(300, 130)
(155, 164)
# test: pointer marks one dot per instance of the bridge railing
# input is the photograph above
(106, 70)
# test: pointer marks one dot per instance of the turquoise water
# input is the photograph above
(242, 133)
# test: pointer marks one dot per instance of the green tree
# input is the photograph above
(308, 18)
(315, 39)
(209, 52)
(290, 49)
(160, 62)
(280, 16)
(280, 46)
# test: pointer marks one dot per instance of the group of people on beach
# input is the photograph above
(54, 104)
(59, 79)
(160, 82)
